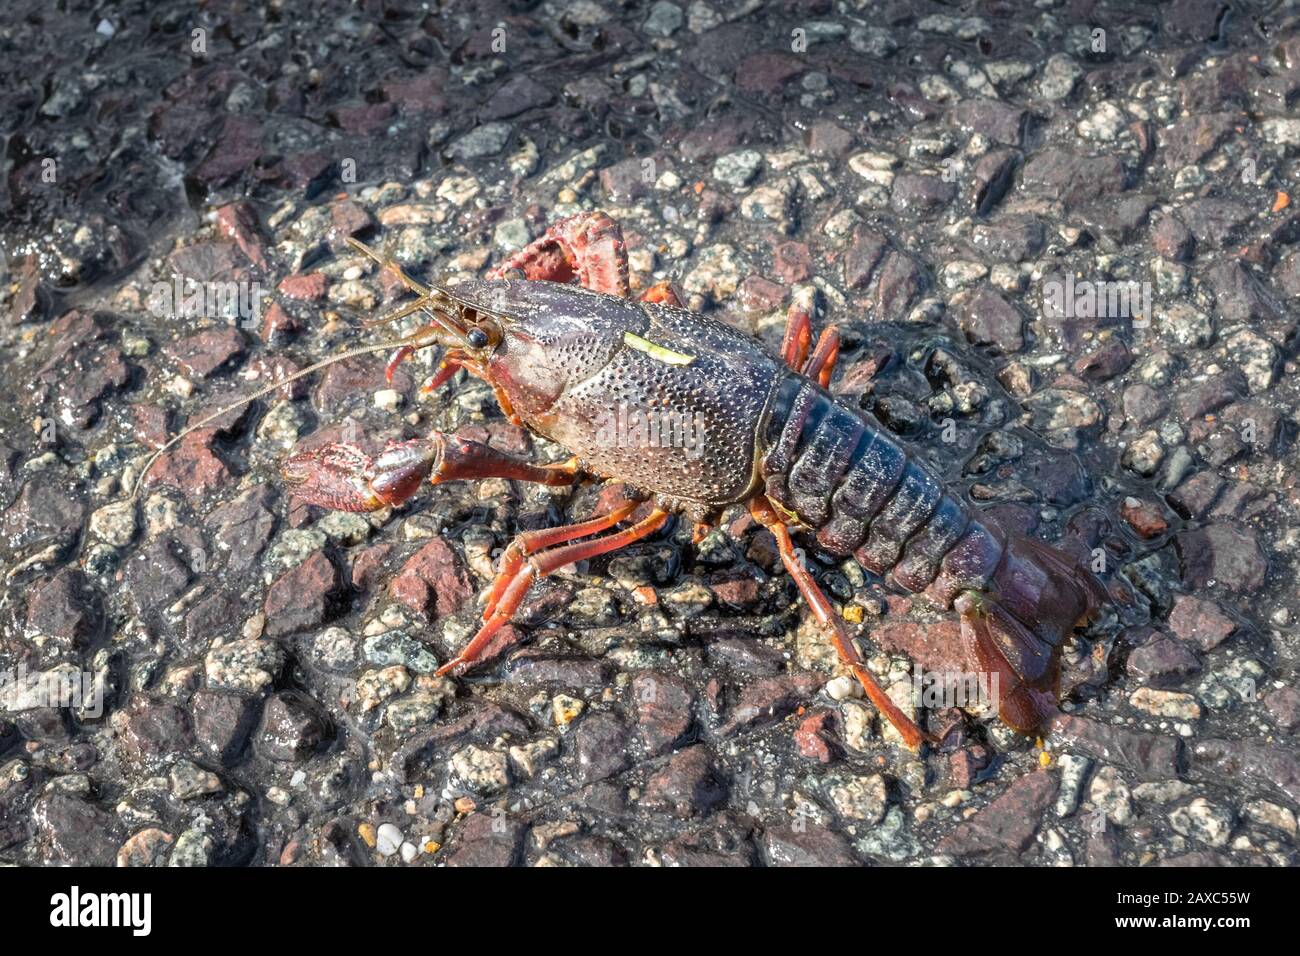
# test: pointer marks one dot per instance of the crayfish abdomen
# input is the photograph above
(837, 472)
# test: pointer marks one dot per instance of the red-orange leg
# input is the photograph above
(530, 542)
(446, 369)
(798, 336)
(461, 459)
(664, 292)
(397, 359)
(537, 567)
(767, 516)
(822, 364)
(507, 409)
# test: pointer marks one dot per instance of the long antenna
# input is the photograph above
(253, 396)
(427, 296)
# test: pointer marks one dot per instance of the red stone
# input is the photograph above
(792, 262)
(354, 378)
(815, 736)
(191, 467)
(349, 218)
(150, 424)
(762, 550)
(1201, 622)
(757, 294)
(769, 700)
(273, 369)
(687, 785)
(302, 597)
(276, 320)
(857, 378)
(663, 709)
(369, 565)
(432, 581)
(305, 288)
(1284, 705)
(828, 140)
(365, 120)
(768, 72)
(936, 646)
(737, 591)
(502, 436)
(1008, 824)
(419, 94)
(964, 765)
(237, 221)
(1144, 517)
(203, 354)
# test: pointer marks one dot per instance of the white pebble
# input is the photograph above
(842, 688)
(388, 399)
(409, 851)
(388, 839)
(180, 386)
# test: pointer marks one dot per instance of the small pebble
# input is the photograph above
(388, 839)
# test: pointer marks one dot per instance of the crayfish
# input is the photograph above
(555, 332)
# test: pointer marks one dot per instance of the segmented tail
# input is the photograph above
(1015, 627)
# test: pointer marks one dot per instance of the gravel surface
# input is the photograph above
(968, 188)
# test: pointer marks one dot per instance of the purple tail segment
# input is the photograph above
(861, 494)
(1017, 623)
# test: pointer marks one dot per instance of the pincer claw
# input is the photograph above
(335, 476)
(342, 477)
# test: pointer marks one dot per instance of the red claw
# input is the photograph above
(342, 477)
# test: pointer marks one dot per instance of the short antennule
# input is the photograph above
(432, 299)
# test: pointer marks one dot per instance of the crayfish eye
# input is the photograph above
(477, 338)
